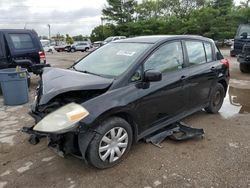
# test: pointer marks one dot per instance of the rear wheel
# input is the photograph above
(111, 145)
(72, 49)
(216, 99)
(86, 49)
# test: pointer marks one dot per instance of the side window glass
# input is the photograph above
(208, 50)
(166, 59)
(196, 53)
(21, 41)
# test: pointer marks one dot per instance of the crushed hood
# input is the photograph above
(56, 81)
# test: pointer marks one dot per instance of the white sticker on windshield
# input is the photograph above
(126, 53)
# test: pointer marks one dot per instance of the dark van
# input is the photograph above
(241, 38)
(21, 47)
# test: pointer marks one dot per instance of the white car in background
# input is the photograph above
(80, 46)
(47, 47)
(113, 38)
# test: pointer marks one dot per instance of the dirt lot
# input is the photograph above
(221, 159)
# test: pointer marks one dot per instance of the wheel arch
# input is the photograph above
(224, 84)
(126, 115)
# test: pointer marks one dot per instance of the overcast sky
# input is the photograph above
(73, 16)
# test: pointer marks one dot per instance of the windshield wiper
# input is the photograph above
(87, 72)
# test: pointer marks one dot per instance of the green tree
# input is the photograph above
(147, 9)
(223, 5)
(78, 38)
(119, 11)
(69, 40)
(101, 32)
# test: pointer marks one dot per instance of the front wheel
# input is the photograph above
(111, 143)
(216, 99)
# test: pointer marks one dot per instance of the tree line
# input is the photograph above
(216, 19)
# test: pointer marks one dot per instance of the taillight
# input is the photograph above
(225, 62)
(42, 57)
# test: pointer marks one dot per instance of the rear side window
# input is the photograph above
(208, 49)
(196, 53)
(21, 41)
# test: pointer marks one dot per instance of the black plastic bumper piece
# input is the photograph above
(178, 131)
(34, 136)
(38, 68)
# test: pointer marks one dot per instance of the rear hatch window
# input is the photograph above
(21, 41)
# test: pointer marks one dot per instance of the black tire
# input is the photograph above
(93, 155)
(72, 49)
(86, 49)
(216, 99)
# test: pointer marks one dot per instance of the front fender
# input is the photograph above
(122, 100)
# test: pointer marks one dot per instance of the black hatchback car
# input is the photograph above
(125, 91)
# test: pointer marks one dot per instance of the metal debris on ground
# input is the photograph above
(178, 131)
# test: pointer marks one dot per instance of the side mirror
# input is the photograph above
(152, 76)
(243, 35)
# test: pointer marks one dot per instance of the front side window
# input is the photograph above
(21, 41)
(208, 49)
(167, 58)
(196, 53)
(112, 59)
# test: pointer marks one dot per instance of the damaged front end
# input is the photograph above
(61, 127)
(57, 110)
(59, 87)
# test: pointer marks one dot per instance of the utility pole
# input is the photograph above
(49, 31)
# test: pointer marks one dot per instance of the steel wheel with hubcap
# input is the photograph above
(111, 143)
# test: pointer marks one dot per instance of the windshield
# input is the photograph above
(111, 60)
(244, 29)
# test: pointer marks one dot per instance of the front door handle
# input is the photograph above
(213, 69)
(183, 77)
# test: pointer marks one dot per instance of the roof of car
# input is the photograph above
(157, 38)
(15, 30)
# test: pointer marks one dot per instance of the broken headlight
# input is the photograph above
(62, 120)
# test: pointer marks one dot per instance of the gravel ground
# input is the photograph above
(220, 159)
